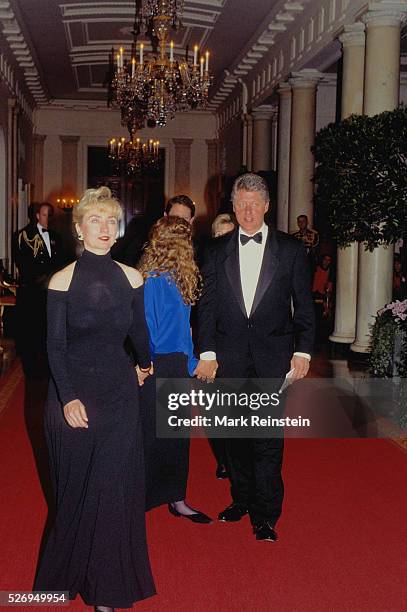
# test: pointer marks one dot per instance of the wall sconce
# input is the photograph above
(66, 202)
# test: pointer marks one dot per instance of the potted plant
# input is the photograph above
(361, 179)
(388, 357)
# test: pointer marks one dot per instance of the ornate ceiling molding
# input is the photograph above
(280, 19)
(87, 50)
(21, 52)
(12, 84)
(95, 105)
(310, 41)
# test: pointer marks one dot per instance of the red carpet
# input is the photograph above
(342, 540)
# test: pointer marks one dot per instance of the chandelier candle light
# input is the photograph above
(153, 88)
(133, 156)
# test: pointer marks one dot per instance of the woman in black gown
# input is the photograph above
(171, 286)
(97, 546)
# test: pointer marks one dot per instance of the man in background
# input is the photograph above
(37, 252)
(129, 248)
(180, 206)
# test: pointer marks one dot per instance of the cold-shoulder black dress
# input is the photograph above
(97, 547)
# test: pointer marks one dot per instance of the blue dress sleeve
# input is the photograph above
(153, 308)
(192, 363)
(168, 319)
(192, 360)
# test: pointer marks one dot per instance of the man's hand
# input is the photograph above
(206, 370)
(75, 414)
(300, 365)
(141, 376)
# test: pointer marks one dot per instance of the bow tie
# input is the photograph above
(257, 238)
(44, 231)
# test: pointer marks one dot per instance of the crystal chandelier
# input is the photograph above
(146, 10)
(132, 156)
(153, 88)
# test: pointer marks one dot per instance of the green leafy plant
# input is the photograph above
(361, 179)
(391, 321)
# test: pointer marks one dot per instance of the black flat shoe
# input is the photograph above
(232, 513)
(265, 531)
(198, 517)
(221, 471)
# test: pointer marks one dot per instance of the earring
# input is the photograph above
(80, 237)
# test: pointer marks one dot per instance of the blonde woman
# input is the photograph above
(171, 286)
(97, 547)
(222, 224)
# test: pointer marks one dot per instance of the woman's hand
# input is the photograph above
(75, 414)
(142, 375)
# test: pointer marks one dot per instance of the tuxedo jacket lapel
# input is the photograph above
(268, 269)
(232, 268)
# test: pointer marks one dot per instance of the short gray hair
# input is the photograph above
(251, 182)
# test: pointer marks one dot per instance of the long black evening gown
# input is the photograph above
(98, 544)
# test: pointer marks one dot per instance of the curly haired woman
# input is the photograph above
(172, 282)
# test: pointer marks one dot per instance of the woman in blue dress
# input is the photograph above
(172, 282)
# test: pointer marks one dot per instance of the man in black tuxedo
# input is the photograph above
(256, 319)
(37, 252)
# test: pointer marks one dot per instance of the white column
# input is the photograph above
(274, 138)
(249, 127)
(247, 133)
(262, 137)
(304, 89)
(353, 47)
(12, 171)
(381, 93)
(212, 192)
(283, 154)
(244, 140)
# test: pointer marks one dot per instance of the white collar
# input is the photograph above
(263, 230)
(40, 228)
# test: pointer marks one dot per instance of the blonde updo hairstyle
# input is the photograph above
(101, 199)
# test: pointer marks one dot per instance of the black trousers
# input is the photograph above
(254, 465)
(166, 459)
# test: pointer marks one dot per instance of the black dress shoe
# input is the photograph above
(232, 513)
(221, 471)
(197, 517)
(265, 531)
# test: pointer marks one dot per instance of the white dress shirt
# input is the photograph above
(45, 237)
(250, 260)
